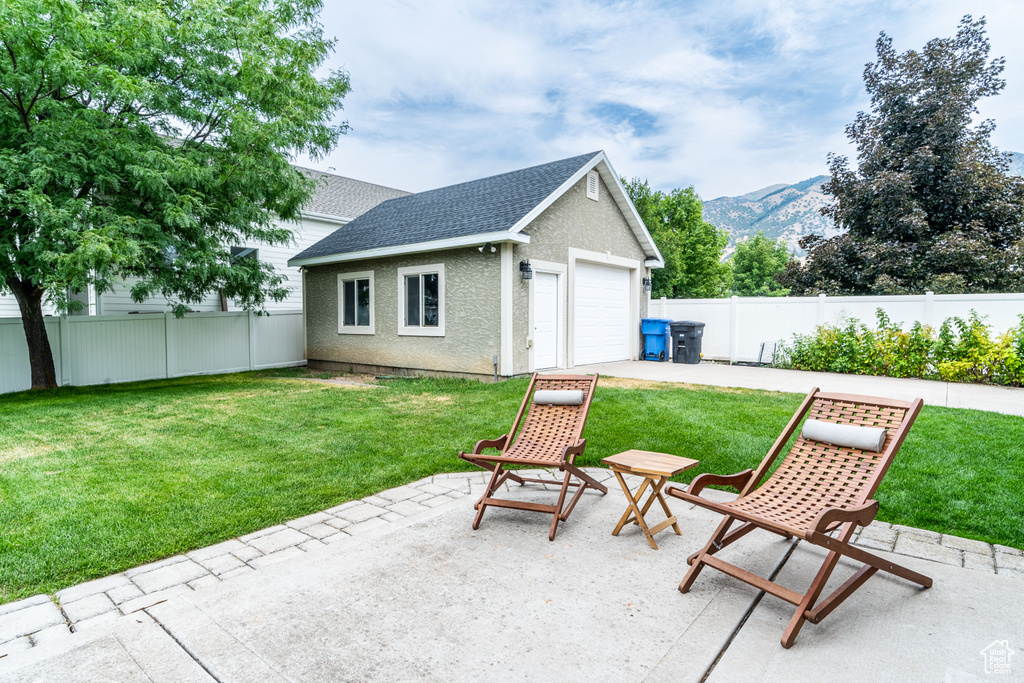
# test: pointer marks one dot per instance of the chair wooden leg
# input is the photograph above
(730, 538)
(698, 560)
(481, 504)
(803, 610)
(558, 506)
(584, 477)
(490, 467)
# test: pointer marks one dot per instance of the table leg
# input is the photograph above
(626, 516)
(635, 510)
(664, 506)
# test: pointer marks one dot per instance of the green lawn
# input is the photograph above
(95, 480)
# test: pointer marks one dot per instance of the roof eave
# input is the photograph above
(625, 204)
(326, 217)
(417, 248)
(652, 262)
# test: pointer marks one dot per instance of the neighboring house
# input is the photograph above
(336, 201)
(435, 281)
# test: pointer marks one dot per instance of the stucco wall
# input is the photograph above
(472, 315)
(573, 221)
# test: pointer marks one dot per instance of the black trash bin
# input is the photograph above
(686, 341)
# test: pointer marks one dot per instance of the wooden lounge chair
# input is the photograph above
(550, 437)
(818, 488)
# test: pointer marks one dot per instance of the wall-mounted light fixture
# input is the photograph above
(647, 284)
(526, 270)
(487, 247)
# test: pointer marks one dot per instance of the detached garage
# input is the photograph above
(540, 268)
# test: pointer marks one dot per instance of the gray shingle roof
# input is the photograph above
(476, 207)
(344, 197)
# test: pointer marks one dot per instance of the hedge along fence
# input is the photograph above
(960, 351)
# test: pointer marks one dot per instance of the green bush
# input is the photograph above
(960, 351)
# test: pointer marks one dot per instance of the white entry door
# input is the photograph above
(545, 321)
(601, 313)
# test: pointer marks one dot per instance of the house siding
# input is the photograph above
(308, 232)
(472, 303)
(572, 221)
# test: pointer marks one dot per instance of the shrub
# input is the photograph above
(961, 350)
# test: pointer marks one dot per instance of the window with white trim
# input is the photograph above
(421, 306)
(593, 183)
(355, 303)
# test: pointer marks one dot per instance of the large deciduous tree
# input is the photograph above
(755, 263)
(930, 205)
(143, 138)
(692, 247)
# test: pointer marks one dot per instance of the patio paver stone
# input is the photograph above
(27, 621)
(89, 607)
(97, 586)
(217, 550)
(407, 508)
(968, 545)
(308, 520)
(1008, 561)
(285, 538)
(222, 564)
(916, 546)
(399, 494)
(53, 634)
(24, 604)
(361, 513)
(173, 575)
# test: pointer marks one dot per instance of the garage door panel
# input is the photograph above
(601, 314)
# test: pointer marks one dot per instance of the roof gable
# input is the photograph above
(496, 208)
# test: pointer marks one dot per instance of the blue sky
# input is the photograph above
(727, 96)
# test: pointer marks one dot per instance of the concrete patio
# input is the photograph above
(399, 587)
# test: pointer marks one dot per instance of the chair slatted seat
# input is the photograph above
(818, 488)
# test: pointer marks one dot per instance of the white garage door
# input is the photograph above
(601, 314)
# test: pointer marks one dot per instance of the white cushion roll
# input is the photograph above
(851, 436)
(563, 397)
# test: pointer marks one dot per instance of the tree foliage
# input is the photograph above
(930, 206)
(692, 247)
(755, 263)
(144, 138)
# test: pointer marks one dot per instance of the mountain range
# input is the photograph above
(786, 211)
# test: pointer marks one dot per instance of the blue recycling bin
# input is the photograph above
(657, 337)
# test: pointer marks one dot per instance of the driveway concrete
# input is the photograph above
(1007, 400)
(425, 597)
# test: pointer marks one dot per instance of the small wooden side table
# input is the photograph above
(656, 468)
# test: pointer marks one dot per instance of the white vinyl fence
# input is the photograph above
(735, 328)
(127, 348)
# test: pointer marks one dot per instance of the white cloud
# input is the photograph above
(738, 94)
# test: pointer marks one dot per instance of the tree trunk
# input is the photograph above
(30, 301)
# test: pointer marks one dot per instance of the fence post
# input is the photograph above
(662, 307)
(168, 345)
(733, 325)
(252, 340)
(65, 350)
(929, 309)
(821, 309)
